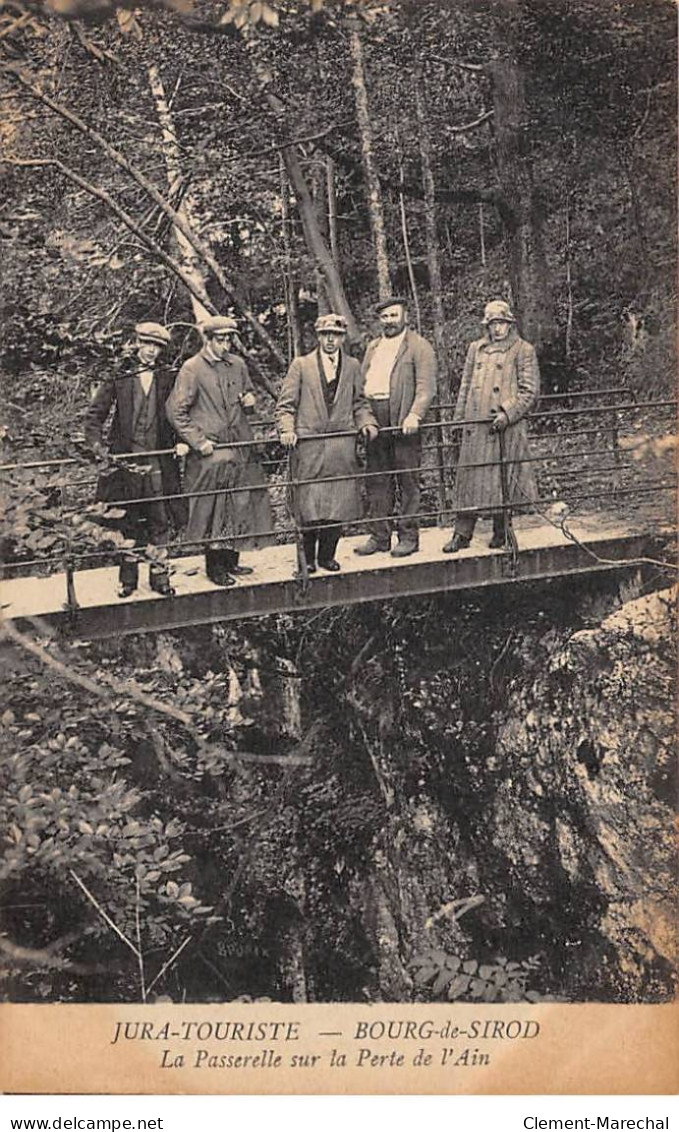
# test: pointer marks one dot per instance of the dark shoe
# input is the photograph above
(372, 546)
(216, 569)
(497, 540)
(159, 581)
(230, 561)
(241, 571)
(457, 542)
(128, 578)
(403, 549)
(332, 565)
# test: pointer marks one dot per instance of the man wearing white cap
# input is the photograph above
(500, 385)
(323, 393)
(137, 393)
(208, 407)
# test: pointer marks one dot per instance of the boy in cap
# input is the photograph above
(208, 408)
(400, 383)
(322, 393)
(137, 393)
(500, 384)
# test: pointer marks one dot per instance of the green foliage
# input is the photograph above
(454, 979)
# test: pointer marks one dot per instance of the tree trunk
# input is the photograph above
(292, 310)
(519, 209)
(315, 242)
(375, 205)
(318, 190)
(185, 253)
(332, 209)
(434, 268)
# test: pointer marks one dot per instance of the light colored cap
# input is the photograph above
(153, 332)
(498, 310)
(334, 323)
(219, 322)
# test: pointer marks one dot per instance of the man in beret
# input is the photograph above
(137, 393)
(208, 408)
(500, 385)
(323, 393)
(400, 383)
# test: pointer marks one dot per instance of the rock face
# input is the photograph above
(588, 750)
(514, 752)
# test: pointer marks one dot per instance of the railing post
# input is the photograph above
(507, 524)
(303, 565)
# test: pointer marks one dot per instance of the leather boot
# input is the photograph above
(216, 568)
(128, 577)
(498, 538)
(159, 580)
(455, 543)
(231, 562)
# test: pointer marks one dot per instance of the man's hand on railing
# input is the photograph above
(411, 424)
(247, 400)
(181, 449)
(500, 423)
(369, 432)
(206, 448)
(288, 439)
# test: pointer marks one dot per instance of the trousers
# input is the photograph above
(399, 458)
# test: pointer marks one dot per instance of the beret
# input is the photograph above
(336, 323)
(153, 332)
(218, 322)
(393, 301)
(498, 310)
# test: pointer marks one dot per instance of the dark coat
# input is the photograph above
(497, 375)
(412, 386)
(116, 392)
(302, 409)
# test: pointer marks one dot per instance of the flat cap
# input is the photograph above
(499, 311)
(218, 322)
(336, 323)
(393, 301)
(153, 332)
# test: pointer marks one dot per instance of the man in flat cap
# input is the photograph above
(137, 393)
(500, 385)
(208, 408)
(400, 383)
(322, 393)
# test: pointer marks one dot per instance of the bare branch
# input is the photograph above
(103, 913)
(179, 222)
(98, 53)
(120, 212)
(471, 125)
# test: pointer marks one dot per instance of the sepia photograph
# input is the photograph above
(339, 527)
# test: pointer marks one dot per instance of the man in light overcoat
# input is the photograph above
(323, 393)
(229, 508)
(500, 385)
(400, 383)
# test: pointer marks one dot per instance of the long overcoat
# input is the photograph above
(206, 405)
(117, 392)
(497, 376)
(302, 409)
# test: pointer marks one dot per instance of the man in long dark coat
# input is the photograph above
(208, 408)
(137, 393)
(323, 393)
(500, 385)
(400, 383)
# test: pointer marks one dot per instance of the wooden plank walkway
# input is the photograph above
(544, 552)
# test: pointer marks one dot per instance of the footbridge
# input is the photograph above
(605, 475)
